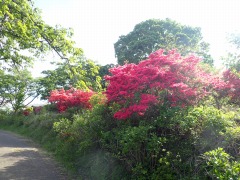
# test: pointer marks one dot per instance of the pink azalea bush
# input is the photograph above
(65, 99)
(232, 87)
(161, 78)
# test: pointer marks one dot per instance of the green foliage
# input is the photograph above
(24, 37)
(174, 144)
(81, 137)
(17, 89)
(153, 34)
(22, 29)
(62, 126)
(103, 71)
(100, 165)
(4, 117)
(209, 126)
(82, 74)
(141, 150)
(219, 165)
(231, 60)
(169, 145)
(166, 143)
(232, 140)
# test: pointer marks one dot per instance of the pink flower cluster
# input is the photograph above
(232, 87)
(26, 113)
(37, 109)
(65, 99)
(161, 78)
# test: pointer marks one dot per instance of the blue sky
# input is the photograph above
(98, 24)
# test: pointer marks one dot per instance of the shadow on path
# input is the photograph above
(20, 160)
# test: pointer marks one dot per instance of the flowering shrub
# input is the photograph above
(232, 88)
(227, 88)
(27, 111)
(161, 79)
(37, 109)
(65, 99)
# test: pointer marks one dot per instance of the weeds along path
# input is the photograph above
(21, 160)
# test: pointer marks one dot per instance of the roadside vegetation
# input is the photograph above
(158, 114)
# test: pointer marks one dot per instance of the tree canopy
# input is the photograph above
(232, 60)
(24, 35)
(17, 89)
(83, 74)
(153, 34)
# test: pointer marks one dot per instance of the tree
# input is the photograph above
(23, 30)
(3, 83)
(82, 74)
(153, 34)
(17, 89)
(232, 75)
(104, 71)
(24, 36)
(232, 60)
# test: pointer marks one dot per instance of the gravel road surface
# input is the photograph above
(20, 159)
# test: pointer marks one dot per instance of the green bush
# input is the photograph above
(219, 165)
(210, 126)
(232, 141)
(167, 143)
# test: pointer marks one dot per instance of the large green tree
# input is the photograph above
(103, 71)
(153, 34)
(24, 35)
(232, 60)
(17, 89)
(82, 74)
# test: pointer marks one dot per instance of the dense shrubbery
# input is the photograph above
(233, 79)
(219, 165)
(160, 79)
(65, 99)
(173, 128)
(170, 145)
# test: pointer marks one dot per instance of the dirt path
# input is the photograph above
(21, 160)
